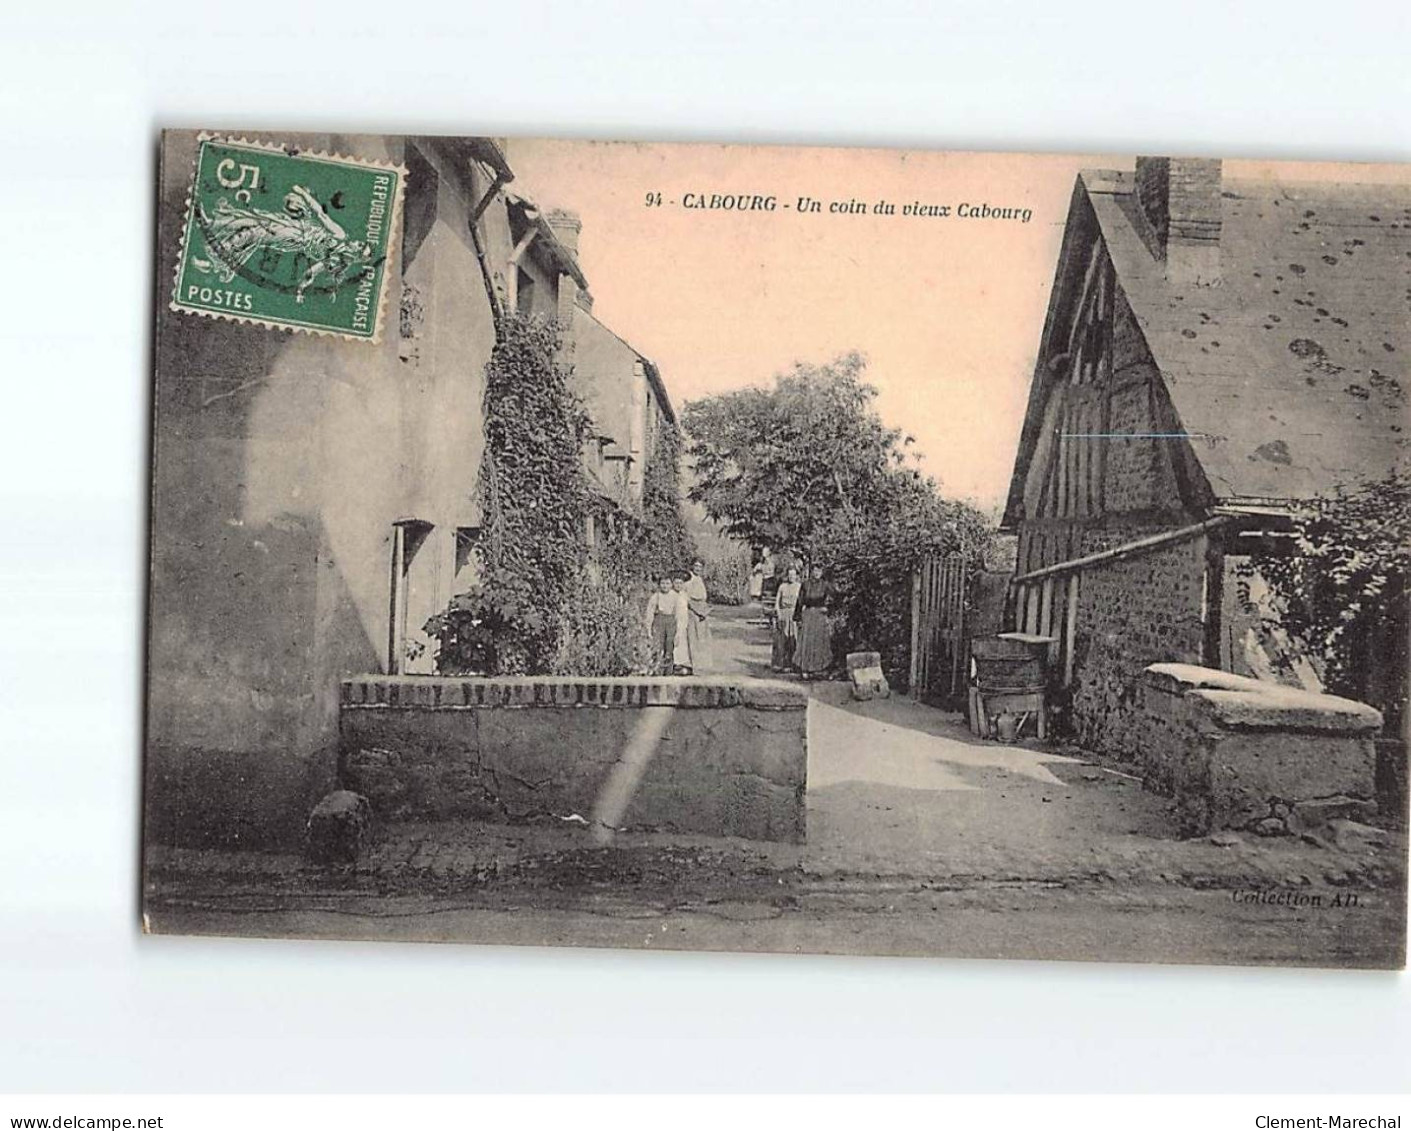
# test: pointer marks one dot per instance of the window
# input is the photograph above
(408, 591)
(468, 559)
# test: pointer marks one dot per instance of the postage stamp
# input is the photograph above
(296, 240)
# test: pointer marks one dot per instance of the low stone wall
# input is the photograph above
(719, 757)
(1239, 753)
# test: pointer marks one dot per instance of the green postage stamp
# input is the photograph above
(289, 239)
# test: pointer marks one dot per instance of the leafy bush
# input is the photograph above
(727, 574)
(1341, 587)
(601, 632)
(871, 555)
(490, 630)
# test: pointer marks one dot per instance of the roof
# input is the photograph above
(483, 149)
(546, 241)
(1293, 370)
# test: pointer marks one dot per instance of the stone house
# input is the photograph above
(1214, 350)
(630, 407)
(314, 500)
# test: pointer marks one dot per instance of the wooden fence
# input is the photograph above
(938, 631)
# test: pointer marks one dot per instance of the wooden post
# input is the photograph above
(1212, 601)
(916, 632)
(398, 599)
(1082, 460)
(1070, 628)
(958, 666)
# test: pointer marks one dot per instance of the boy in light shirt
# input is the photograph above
(664, 606)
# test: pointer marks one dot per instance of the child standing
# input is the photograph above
(662, 609)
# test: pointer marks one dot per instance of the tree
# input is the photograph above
(1341, 586)
(809, 465)
(773, 465)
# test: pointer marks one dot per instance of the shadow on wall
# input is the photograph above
(242, 724)
(252, 619)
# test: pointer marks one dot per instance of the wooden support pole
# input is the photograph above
(1070, 627)
(916, 631)
(1126, 550)
(397, 601)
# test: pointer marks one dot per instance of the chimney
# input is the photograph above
(566, 225)
(1178, 199)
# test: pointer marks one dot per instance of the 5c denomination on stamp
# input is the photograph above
(295, 240)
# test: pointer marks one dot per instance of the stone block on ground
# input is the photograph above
(339, 828)
(1353, 836)
(1314, 816)
(866, 676)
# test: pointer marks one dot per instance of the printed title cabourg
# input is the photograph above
(807, 205)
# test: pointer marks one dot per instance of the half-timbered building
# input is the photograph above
(1214, 350)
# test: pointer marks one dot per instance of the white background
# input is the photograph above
(87, 1004)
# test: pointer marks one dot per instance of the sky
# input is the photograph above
(948, 310)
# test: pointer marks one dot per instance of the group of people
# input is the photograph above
(678, 622)
(803, 637)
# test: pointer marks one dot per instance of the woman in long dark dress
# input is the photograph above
(814, 655)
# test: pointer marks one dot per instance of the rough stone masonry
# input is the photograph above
(1239, 753)
(710, 756)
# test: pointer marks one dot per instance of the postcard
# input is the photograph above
(779, 549)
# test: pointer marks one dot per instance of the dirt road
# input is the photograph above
(921, 840)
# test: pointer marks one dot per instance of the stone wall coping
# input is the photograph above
(1236, 701)
(1028, 638)
(424, 692)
